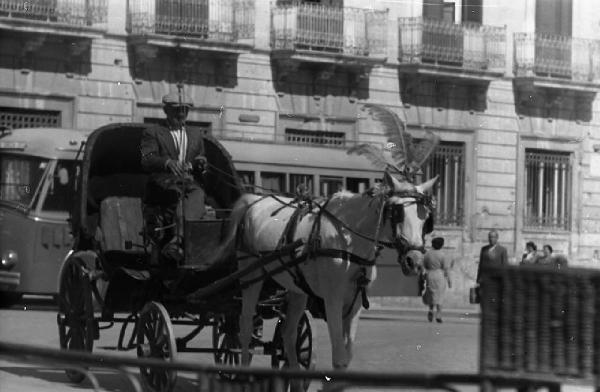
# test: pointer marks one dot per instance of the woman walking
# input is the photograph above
(437, 279)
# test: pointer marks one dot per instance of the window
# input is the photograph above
(301, 179)
(447, 161)
(61, 190)
(319, 138)
(272, 182)
(330, 185)
(247, 178)
(14, 118)
(548, 189)
(20, 178)
(357, 185)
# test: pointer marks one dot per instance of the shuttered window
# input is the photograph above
(548, 189)
(14, 118)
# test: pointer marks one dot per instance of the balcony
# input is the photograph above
(214, 25)
(558, 62)
(469, 50)
(313, 33)
(79, 18)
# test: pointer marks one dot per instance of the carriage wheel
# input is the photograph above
(76, 324)
(155, 339)
(304, 346)
(226, 342)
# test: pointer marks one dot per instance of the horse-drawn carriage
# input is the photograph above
(114, 269)
(272, 252)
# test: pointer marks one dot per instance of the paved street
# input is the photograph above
(390, 343)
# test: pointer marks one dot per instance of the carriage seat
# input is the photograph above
(121, 225)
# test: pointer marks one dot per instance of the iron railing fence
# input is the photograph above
(215, 20)
(209, 378)
(548, 190)
(319, 28)
(469, 46)
(556, 56)
(70, 12)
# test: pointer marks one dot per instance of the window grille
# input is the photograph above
(14, 118)
(447, 161)
(318, 138)
(548, 189)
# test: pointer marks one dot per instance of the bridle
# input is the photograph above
(395, 214)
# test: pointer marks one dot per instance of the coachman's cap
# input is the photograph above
(174, 99)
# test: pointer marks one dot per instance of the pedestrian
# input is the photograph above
(530, 253)
(551, 260)
(491, 255)
(175, 158)
(437, 279)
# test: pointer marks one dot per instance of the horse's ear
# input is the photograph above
(395, 185)
(427, 185)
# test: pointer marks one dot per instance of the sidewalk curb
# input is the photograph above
(406, 311)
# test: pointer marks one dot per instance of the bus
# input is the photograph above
(38, 172)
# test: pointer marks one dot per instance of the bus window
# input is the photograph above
(357, 185)
(330, 185)
(62, 186)
(247, 178)
(20, 177)
(272, 182)
(301, 179)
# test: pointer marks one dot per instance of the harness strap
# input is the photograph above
(344, 255)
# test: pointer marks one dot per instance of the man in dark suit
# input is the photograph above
(175, 157)
(493, 254)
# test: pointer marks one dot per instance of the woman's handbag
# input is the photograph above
(474, 295)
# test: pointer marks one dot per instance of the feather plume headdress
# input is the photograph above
(407, 156)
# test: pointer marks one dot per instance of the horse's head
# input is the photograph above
(410, 213)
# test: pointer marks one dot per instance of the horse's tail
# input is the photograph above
(237, 214)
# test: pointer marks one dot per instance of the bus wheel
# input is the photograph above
(76, 324)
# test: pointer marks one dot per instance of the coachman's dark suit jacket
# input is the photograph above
(157, 146)
(497, 257)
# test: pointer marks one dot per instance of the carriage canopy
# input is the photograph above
(112, 168)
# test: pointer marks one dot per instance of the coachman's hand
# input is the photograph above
(174, 167)
(200, 163)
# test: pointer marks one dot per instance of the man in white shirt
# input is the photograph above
(175, 157)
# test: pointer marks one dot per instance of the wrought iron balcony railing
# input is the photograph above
(556, 56)
(469, 46)
(70, 12)
(318, 28)
(215, 20)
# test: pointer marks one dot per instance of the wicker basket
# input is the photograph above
(540, 322)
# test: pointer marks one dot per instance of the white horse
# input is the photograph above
(341, 237)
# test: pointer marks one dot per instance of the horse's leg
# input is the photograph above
(350, 329)
(249, 301)
(296, 303)
(333, 311)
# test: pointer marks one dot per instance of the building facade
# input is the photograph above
(511, 88)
